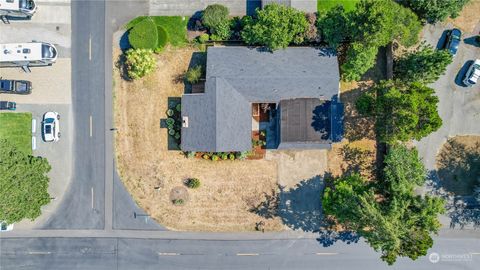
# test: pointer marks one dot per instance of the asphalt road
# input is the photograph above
(132, 253)
(83, 206)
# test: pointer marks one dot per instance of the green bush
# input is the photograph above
(231, 156)
(144, 35)
(171, 131)
(222, 32)
(214, 157)
(178, 107)
(177, 136)
(140, 62)
(170, 113)
(365, 104)
(214, 15)
(193, 183)
(162, 37)
(203, 38)
(190, 154)
(178, 202)
(170, 121)
(194, 74)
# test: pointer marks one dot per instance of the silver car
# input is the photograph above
(472, 74)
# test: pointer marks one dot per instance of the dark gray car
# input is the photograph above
(15, 87)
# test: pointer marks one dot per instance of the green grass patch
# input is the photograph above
(326, 5)
(175, 27)
(16, 128)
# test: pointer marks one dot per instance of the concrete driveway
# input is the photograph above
(459, 106)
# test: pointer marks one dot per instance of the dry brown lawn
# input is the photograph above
(150, 172)
(468, 18)
(458, 164)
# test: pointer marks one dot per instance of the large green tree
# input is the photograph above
(334, 26)
(437, 10)
(387, 213)
(403, 170)
(422, 65)
(275, 26)
(402, 111)
(23, 184)
(373, 24)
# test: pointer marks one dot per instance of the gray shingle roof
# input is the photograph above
(220, 120)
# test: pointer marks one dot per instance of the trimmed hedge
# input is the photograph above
(144, 35)
(162, 37)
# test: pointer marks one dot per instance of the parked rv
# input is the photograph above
(17, 8)
(25, 55)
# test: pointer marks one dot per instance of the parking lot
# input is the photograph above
(459, 106)
(51, 91)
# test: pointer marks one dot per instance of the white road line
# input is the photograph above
(90, 48)
(92, 196)
(39, 252)
(475, 253)
(168, 254)
(91, 126)
(326, 253)
(247, 254)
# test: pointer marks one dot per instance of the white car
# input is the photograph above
(4, 227)
(472, 74)
(51, 127)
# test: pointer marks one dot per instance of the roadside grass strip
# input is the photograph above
(16, 128)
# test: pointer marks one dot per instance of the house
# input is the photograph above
(301, 85)
(309, 6)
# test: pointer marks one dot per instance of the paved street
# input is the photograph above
(133, 253)
(99, 226)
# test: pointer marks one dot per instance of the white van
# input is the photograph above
(25, 55)
(17, 8)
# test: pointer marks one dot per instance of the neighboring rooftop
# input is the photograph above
(220, 119)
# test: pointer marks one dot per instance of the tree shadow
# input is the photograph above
(442, 40)
(122, 67)
(300, 207)
(458, 167)
(124, 44)
(357, 160)
(472, 41)
(356, 126)
(455, 179)
(321, 120)
(252, 6)
(461, 73)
